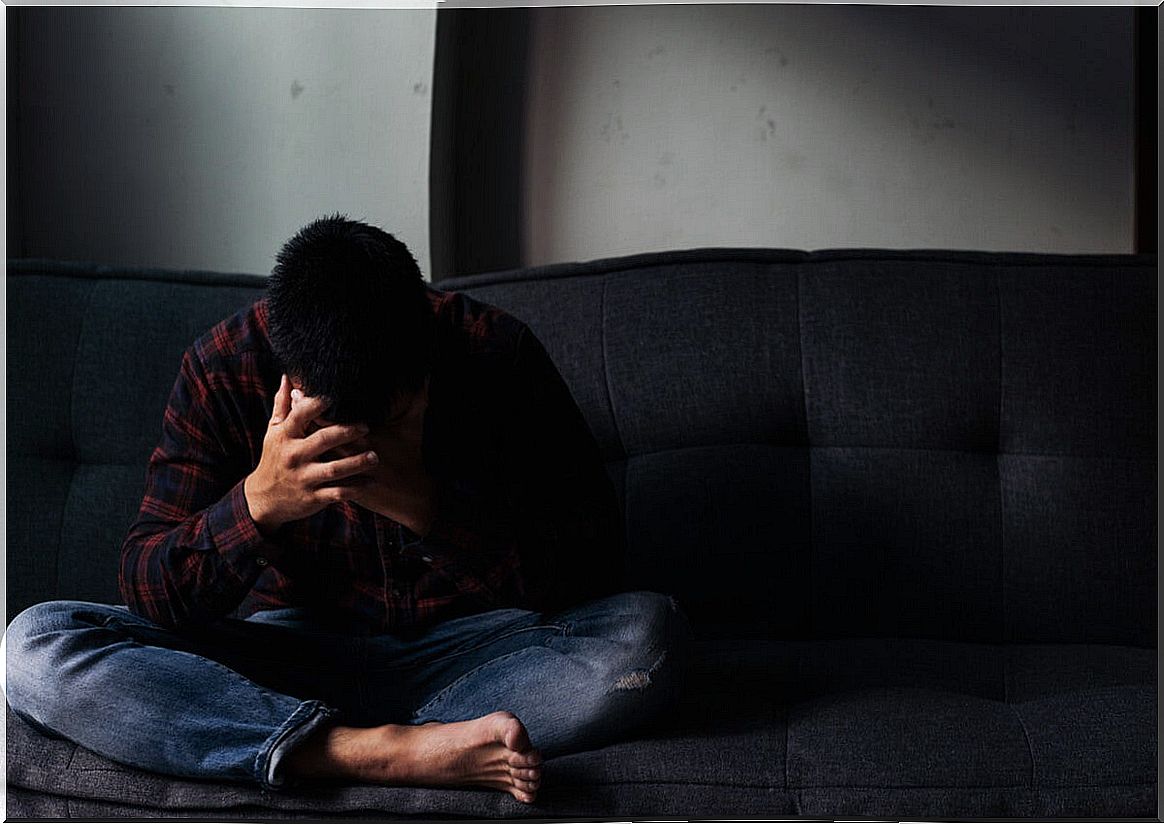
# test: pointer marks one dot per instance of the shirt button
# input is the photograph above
(426, 558)
(261, 561)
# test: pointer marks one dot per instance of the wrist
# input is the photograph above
(264, 520)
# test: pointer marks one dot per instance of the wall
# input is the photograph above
(810, 127)
(205, 137)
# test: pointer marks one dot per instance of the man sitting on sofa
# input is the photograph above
(377, 543)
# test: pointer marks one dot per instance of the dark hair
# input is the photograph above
(349, 317)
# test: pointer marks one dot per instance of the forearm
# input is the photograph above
(180, 569)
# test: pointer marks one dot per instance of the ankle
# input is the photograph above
(326, 753)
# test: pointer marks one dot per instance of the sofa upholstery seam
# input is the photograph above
(74, 461)
(87, 770)
(679, 782)
(787, 734)
(606, 372)
(623, 456)
(1026, 737)
(1005, 635)
(73, 452)
(797, 787)
(601, 267)
(234, 803)
(891, 448)
(83, 270)
(800, 275)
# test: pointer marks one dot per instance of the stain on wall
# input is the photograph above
(828, 126)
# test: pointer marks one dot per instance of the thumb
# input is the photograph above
(282, 401)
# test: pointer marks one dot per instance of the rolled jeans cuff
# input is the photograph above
(307, 718)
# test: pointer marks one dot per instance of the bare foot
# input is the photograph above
(493, 751)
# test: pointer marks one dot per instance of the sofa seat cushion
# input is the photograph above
(857, 727)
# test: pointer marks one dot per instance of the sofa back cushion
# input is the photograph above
(940, 445)
(862, 443)
(92, 356)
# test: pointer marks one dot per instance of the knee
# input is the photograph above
(640, 676)
(653, 622)
(32, 648)
(33, 624)
(653, 639)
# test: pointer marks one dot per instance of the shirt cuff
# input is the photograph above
(244, 550)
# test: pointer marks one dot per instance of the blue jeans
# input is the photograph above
(231, 700)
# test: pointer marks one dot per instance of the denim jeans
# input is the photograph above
(230, 700)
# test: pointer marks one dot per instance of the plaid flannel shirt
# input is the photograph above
(526, 515)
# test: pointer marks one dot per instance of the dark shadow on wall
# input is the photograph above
(479, 82)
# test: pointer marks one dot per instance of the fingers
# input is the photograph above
(304, 409)
(340, 493)
(331, 437)
(327, 473)
(282, 401)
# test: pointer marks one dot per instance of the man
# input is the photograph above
(377, 543)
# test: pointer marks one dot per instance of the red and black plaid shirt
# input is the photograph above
(526, 515)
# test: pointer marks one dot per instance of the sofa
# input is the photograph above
(906, 498)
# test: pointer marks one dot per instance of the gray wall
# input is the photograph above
(809, 127)
(204, 137)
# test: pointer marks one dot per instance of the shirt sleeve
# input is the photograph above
(555, 504)
(194, 551)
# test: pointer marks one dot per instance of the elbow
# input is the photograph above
(165, 612)
(147, 591)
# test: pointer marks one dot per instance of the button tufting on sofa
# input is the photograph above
(907, 498)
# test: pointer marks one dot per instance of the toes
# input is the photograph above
(525, 760)
(526, 786)
(522, 796)
(526, 773)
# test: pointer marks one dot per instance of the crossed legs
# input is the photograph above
(485, 697)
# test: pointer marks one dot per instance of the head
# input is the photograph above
(349, 318)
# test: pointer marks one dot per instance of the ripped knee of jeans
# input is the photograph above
(639, 679)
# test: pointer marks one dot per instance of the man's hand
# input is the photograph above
(290, 482)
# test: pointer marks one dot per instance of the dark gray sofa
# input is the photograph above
(907, 498)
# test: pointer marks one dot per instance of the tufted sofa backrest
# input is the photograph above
(92, 356)
(872, 443)
(848, 443)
